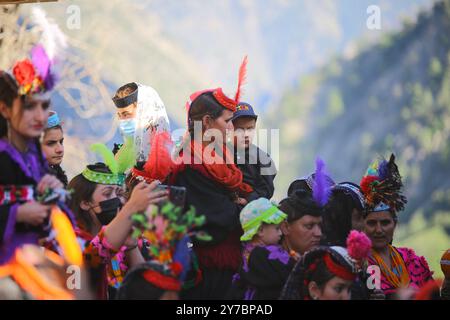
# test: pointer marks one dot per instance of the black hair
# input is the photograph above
(136, 287)
(8, 92)
(311, 267)
(58, 171)
(82, 191)
(204, 104)
(337, 219)
(300, 204)
(299, 184)
(320, 275)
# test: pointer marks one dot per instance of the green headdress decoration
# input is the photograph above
(164, 227)
(118, 164)
(169, 230)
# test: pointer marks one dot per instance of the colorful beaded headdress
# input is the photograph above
(168, 231)
(382, 186)
(36, 74)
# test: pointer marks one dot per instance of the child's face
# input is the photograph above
(270, 234)
(244, 131)
(53, 146)
(27, 117)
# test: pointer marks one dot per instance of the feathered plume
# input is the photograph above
(242, 78)
(383, 170)
(182, 256)
(321, 187)
(42, 63)
(53, 39)
(168, 231)
(384, 185)
(107, 155)
(159, 163)
(126, 156)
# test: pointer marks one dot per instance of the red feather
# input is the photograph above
(366, 182)
(242, 78)
(159, 163)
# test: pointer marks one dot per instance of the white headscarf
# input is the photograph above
(151, 117)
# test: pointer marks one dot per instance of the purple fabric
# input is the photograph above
(278, 253)
(30, 165)
(19, 239)
(248, 247)
(12, 239)
(11, 223)
(33, 170)
(249, 294)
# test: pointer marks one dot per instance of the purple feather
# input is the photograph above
(321, 187)
(43, 65)
(383, 170)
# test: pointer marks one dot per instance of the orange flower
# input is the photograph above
(24, 72)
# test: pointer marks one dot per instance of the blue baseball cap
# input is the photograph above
(244, 110)
(53, 120)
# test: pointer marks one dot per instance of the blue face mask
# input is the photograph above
(127, 127)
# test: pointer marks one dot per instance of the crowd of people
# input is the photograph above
(188, 220)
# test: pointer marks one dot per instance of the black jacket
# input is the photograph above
(258, 170)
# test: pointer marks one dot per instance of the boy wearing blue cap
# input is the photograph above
(257, 167)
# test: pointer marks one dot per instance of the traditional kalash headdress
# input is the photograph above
(118, 164)
(353, 190)
(36, 75)
(168, 231)
(382, 186)
(152, 140)
(151, 117)
(306, 183)
(345, 263)
(218, 94)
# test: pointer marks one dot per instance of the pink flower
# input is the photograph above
(358, 245)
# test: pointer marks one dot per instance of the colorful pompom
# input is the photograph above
(358, 245)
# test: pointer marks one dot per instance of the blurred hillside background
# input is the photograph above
(331, 85)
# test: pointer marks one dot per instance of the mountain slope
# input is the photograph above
(391, 97)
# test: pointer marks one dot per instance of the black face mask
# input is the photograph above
(109, 209)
